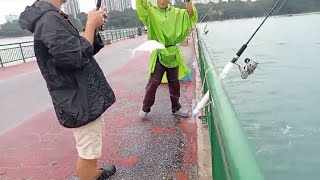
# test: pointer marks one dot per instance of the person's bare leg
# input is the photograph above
(88, 169)
(89, 146)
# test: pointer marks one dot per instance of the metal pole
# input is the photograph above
(1, 61)
(24, 60)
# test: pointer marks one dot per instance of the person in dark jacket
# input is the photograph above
(77, 85)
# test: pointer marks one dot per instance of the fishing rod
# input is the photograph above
(280, 6)
(251, 65)
(247, 70)
(98, 6)
(205, 31)
(204, 16)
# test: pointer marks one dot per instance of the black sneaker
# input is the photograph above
(107, 171)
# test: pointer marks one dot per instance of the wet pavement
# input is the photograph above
(34, 146)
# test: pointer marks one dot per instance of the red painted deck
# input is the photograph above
(34, 146)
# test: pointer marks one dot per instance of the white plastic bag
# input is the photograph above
(148, 46)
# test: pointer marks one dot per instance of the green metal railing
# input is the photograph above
(232, 155)
(118, 35)
(16, 52)
(22, 51)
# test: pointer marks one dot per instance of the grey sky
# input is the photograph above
(17, 6)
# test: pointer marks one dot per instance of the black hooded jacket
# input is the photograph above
(77, 85)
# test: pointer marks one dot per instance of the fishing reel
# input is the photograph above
(248, 69)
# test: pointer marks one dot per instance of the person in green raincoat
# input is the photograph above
(169, 26)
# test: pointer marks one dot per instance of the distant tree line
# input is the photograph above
(246, 9)
(222, 11)
(12, 29)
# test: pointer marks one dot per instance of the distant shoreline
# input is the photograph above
(5, 41)
(10, 37)
(281, 15)
(297, 14)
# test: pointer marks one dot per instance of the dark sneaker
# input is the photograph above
(107, 171)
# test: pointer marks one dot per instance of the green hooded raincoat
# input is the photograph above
(170, 27)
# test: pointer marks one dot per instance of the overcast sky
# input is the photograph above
(17, 6)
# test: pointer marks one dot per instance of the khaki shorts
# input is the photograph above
(89, 139)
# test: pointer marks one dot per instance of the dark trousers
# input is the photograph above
(155, 81)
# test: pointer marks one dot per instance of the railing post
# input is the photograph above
(24, 60)
(1, 61)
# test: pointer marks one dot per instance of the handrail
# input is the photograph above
(232, 154)
(25, 42)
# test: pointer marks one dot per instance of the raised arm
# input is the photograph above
(189, 7)
(142, 8)
(192, 11)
